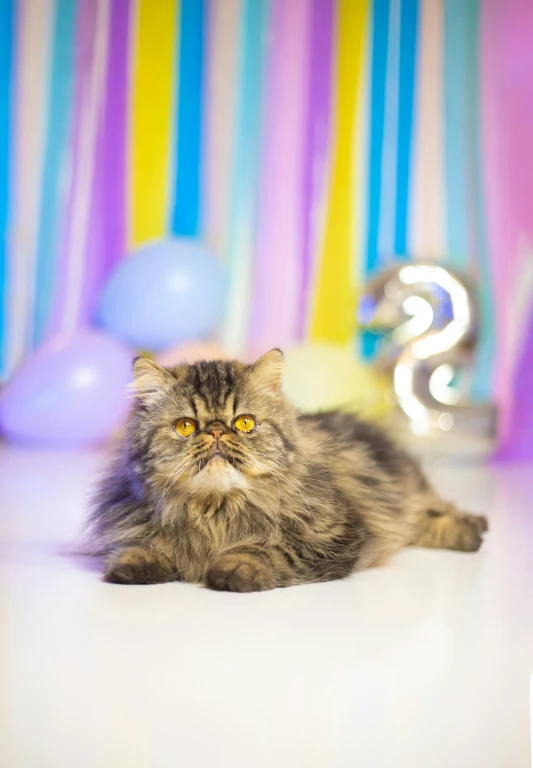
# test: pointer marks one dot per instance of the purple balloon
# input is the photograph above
(70, 394)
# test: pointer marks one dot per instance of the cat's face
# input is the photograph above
(214, 427)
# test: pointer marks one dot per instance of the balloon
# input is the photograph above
(164, 294)
(320, 377)
(191, 353)
(70, 393)
(431, 317)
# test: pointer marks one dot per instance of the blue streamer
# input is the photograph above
(408, 39)
(380, 39)
(57, 138)
(485, 353)
(459, 89)
(249, 104)
(6, 62)
(463, 172)
(189, 119)
(244, 183)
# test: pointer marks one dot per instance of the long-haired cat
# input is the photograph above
(220, 481)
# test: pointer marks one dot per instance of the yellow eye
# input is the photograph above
(244, 423)
(185, 427)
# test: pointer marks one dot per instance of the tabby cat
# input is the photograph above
(220, 481)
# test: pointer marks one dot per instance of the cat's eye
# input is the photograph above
(185, 427)
(244, 424)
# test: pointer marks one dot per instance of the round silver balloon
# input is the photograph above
(429, 317)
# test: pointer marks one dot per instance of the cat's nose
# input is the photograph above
(216, 429)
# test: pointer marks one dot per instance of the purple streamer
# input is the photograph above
(507, 88)
(107, 221)
(520, 443)
(316, 140)
(106, 232)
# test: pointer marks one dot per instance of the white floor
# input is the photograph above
(424, 663)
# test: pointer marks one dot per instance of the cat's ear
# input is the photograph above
(150, 380)
(267, 371)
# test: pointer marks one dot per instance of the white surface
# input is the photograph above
(425, 662)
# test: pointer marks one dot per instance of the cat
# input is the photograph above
(220, 481)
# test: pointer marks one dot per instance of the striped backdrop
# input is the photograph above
(309, 142)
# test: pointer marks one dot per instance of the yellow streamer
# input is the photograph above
(334, 309)
(152, 106)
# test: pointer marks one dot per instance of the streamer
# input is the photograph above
(153, 88)
(277, 267)
(335, 294)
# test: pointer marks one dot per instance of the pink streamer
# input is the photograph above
(278, 265)
(507, 104)
(426, 224)
(220, 118)
(34, 38)
(106, 239)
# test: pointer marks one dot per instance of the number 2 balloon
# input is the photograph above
(429, 318)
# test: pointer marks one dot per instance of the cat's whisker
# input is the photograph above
(174, 477)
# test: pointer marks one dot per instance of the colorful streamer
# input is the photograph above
(244, 185)
(277, 275)
(333, 318)
(6, 53)
(389, 156)
(35, 35)
(316, 146)
(152, 118)
(73, 300)
(508, 161)
(55, 161)
(113, 139)
(518, 443)
(406, 91)
(427, 214)
(106, 232)
(380, 41)
(222, 75)
(378, 89)
(185, 220)
(465, 225)
(459, 103)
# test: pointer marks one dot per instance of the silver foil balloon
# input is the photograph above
(429, 316)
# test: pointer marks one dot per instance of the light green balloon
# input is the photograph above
(321, 376)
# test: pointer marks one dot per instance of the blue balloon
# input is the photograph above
(164, 294)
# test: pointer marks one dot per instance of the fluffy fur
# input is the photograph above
(299, 499)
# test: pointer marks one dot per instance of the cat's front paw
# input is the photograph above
(138, 565)
(240, 573)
